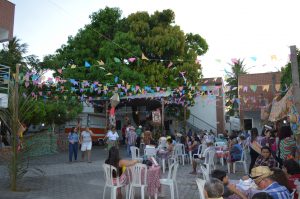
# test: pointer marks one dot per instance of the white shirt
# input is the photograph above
(112, 136)
(86, 137)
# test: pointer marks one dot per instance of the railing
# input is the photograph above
(198, 123)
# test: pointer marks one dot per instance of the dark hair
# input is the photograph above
(266, 147)
(292, 167)
(214, 188)
(262, 195)
(254, 134)
(113, 157)
(219, 174)
(280, 177)
(284, 132)
(169, 140)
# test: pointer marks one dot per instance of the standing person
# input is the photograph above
(255, 147)
(139, 132)
(123, 130)
(86, 143)
(73, 144)
(130, 139)
(287, 144)
(113, 137)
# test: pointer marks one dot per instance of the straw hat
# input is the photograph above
(260, 172)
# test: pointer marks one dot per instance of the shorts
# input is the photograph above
(86, 146)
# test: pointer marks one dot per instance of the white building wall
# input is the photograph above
(205, 109)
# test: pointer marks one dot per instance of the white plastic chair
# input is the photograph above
(200, 185)
(205, 172)
(150, 152)
(162, 143)
(138, 179)
(171, 180)
(209, 160)
(220, 144)
(243, 161)
(200, 151)
(135, 153)
(109, 182)
(180, 153)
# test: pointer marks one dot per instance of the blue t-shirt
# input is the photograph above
(236, 152)
(73, 137)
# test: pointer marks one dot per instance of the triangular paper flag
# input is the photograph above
(87, 64)
(101, 63)
(273, 57)
(253, 87)
(170, 64)
(265, 87)
(59, 70)
(144, 57)
(253, 58)
(108, 74)
(73, 66)
(131, 59)
(117, 60)
(277, 87)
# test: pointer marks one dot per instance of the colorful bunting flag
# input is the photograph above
(87, 64)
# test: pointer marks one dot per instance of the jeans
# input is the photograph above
(128, 149)
(73, 148)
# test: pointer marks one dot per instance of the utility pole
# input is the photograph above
(295, 77)
(15, 128)
(296, 89)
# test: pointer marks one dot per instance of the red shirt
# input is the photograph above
(292, 179)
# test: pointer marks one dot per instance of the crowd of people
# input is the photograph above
(272, 164)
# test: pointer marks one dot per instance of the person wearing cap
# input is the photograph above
(264, 180)
(139, 132)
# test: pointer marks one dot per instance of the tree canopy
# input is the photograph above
(237, 68)
(171, 53)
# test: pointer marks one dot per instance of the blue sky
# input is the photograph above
(259, 31)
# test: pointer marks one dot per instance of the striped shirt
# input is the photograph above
(277, 191)
(287, 147)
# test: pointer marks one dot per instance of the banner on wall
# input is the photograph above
(156, 117)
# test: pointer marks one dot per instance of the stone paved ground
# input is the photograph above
(82, 180)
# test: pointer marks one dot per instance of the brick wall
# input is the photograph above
(253, 101)
(7, 13)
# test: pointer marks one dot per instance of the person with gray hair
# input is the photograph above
(213, 189)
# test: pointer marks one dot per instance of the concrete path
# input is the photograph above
(82, 180)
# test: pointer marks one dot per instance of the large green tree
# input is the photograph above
(237, 68)
(108, 36)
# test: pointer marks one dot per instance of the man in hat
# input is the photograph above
(264, 180)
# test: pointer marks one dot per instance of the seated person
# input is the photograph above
(235, 151)
(280, 177)
(263, 178)
(209, 148)
(229, 189)
(120, 164)
(213, 189)
(170, 146)
(195, 142)
(266, 158)
(292, 170)
(162, 143)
